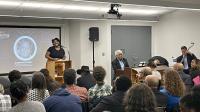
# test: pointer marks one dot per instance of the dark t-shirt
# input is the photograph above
(56, 53)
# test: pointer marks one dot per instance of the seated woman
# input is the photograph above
(52, 85)
(19, 90)
(195, 68)
(140, 98)
(39, 89)
(97, 92)
(174, 88)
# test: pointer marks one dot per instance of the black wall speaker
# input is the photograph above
(94, 34)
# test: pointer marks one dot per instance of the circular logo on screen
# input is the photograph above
(25, 48)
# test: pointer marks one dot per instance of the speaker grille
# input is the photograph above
(94, 34)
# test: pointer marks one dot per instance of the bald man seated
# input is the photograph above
(185, 77)
(153, 82)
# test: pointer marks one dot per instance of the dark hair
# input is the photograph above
(140, 98)
(14, 75)
(123, 83)
(185, 102)
(151, 65)
(69, 76)
(38, 81)
(99, 73)
(183, 47)
(196, 89)
(18, 89)
(55, 39)
(46, 74)
(190, 102)
(53, 86)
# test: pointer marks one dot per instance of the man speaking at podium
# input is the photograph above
(55, 52)
(119, 63)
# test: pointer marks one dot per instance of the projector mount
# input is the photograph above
(114, 10)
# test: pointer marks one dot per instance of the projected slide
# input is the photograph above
(24, 48)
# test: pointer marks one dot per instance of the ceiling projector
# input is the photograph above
(113, 13)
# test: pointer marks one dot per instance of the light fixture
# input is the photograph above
(9, 3)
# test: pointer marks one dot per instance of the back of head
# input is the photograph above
(190, 103)
(178, 67)
(146, 71)
(69, 76)
(45, 72)
(99, 73)
(18, 89)
(1, 89)
(196, 89)
(123, 83)
(152, 65)
(152, 81)
(140, 98)
(174, 83)
(38, 81)
(14, 75)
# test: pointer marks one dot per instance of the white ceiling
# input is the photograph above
(65, 9)
(194, 4)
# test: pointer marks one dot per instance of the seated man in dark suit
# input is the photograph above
(113, 103)
(119, 63)
(153, 82)
(186, 59)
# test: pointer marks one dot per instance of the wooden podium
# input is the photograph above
(126, 72)
(56, 68)
(129, 72)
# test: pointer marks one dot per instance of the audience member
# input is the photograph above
(153, 82)
(195, 68)
(26, 80)
(39, 91)
(69, 80)
(140, 98)
(14, 75)
(186, 59)
(196, 89)
(143, 73)
(19, 90)
(174, 88)
(185, 77)
(97, 92)
(190, 103)
(159, 61)
(113, 103)
(62, 101)
(5, 100)
(86, 80)
(50, 82)
(154, 71)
